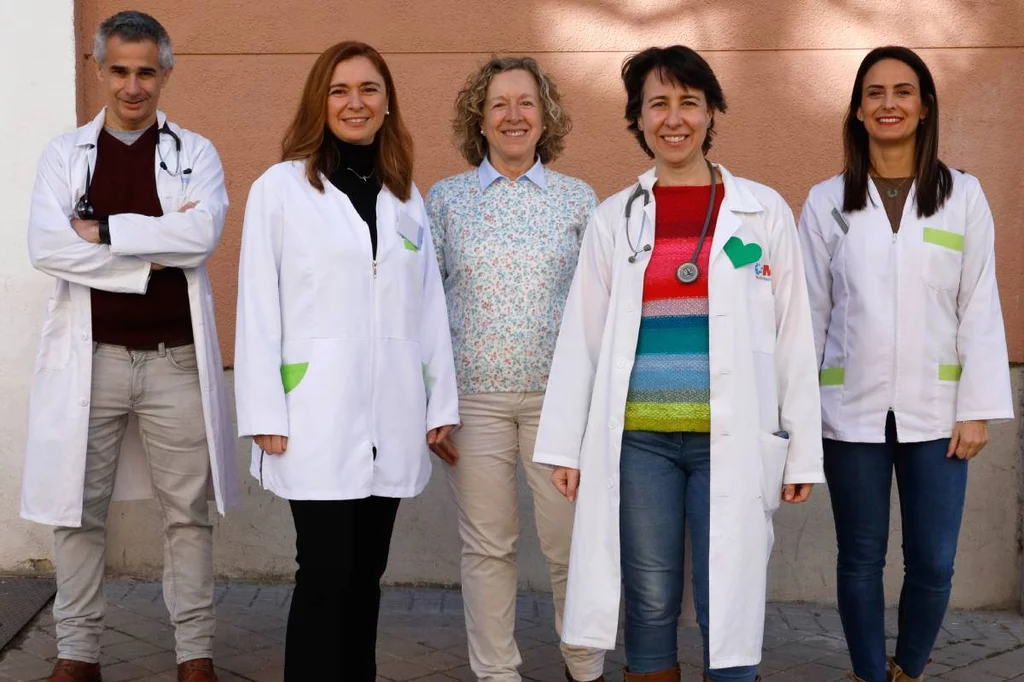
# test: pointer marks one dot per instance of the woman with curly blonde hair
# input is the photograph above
(507, 235)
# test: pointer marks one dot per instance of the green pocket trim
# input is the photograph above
(832, 376)
(409, 245)
(950, 240)
(950, 372)
(292, 374)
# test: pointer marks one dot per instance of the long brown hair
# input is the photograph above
(933, 179)
(309, 139)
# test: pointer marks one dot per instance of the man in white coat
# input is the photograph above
(128, 396)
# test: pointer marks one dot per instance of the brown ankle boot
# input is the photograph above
(896, 673)
(197, 670)
(667, 675)
(67, 670)
(569, 677)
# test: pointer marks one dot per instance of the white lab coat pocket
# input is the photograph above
(55, 340)
(761, 306)
(943, 258)
(774, 451)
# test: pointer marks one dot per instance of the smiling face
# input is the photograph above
(512, 121)
(891, 107)
(357, 101)
(132, 78)
(674, 120)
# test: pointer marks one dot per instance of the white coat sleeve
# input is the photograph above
(796, 370)
(179, 240)
(436, 341)
(259, 390)
(570, 388)
(817, 267)
(984, 391)
(56, 249)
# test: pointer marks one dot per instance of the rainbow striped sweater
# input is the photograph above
(670, 386)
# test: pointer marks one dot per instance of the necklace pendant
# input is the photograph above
(688, 273)
(892, 193)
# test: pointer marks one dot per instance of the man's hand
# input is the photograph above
(567, 481)
(188, 206)
(796, 493)
(89, 230)
(272, 445)
(968, 439)
(441, 445)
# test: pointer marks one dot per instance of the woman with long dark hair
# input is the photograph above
(343, 358)
(900, 262)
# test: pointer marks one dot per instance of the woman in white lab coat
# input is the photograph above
(343, 359)
(900, 265)
(683, 391)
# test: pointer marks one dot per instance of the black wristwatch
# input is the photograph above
(104, 231)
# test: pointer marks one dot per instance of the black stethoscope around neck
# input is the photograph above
(84, 208)
(688, 272)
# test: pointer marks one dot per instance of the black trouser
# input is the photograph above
(342, 548)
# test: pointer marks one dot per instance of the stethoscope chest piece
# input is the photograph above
(688, 273)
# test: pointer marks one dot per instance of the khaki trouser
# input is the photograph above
(498, 432)
(161, 388)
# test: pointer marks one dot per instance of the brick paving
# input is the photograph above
(422, 639)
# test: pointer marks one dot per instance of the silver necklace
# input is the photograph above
(891, 191)
(364, 178)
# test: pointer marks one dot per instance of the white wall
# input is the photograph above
(37, 78)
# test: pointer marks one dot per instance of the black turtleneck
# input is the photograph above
(357, 162)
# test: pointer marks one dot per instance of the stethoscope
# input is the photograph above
(84, 208)
(687, 272)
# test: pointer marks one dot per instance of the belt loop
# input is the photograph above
(161, 349)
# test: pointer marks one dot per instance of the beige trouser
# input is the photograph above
(161, 388)
(498, 432)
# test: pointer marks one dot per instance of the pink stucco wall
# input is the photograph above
(786, 68)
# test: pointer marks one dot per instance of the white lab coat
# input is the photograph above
(763, 379)
(54, 477)
(908, 322)
(341, 353)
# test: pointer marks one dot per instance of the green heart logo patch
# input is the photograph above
(741, 254)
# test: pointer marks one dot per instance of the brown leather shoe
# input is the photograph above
(756, 679)
(896, 673)
(197, 670)
(667, 675)
(75, 671)
(569, 677)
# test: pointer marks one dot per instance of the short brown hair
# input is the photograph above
(469, 110)
(308, 137)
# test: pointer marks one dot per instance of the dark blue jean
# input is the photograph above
(932, 490)
(665, 488)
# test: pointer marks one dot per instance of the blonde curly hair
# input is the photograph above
(469, 110)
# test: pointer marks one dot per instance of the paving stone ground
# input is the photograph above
(422, 638)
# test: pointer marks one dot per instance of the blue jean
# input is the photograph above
(932, 490)
(665, 487)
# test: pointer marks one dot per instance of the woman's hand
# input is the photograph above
(441, 445)
(567, 481)
(796, 493)
(968, 439)
(272, 445)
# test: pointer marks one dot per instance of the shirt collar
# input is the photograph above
(488, 174)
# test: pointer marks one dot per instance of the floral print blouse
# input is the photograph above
(507, 251)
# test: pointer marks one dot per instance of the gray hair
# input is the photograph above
(133, 27)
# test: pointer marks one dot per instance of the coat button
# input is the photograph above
(84, 336)
(83, 402)
(611, 481)
(629, 307)
(620, 363)
(612, 424)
